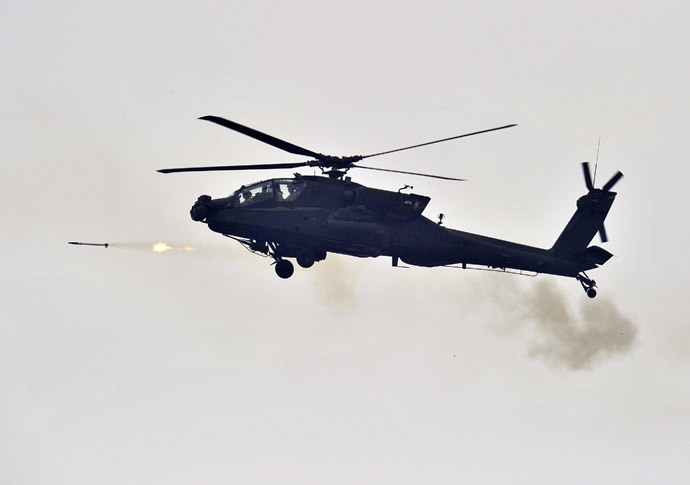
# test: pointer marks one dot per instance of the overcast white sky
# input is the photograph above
(127, 366)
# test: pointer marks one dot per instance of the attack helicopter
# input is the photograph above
(307, 216)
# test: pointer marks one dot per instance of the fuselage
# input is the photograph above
(319, 215)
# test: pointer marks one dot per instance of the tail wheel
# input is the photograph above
(284, 268)
(587, 284)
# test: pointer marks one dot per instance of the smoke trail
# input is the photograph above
(564, 338)
(162, 247)
(158, 247)
(132, 245)
(601, 332)
(336, 281)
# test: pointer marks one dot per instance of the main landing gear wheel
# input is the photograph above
(284, 268)
(591, 293)
(305, 259)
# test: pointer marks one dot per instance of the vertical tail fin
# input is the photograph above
(592, 209)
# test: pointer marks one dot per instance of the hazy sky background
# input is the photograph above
(127, 366)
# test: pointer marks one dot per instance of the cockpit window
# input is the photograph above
(254, 193)
(288, 190)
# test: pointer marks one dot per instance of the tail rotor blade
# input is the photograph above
(613, 181)
(588, 175)
(602, 233)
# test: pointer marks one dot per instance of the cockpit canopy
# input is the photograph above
(280, 190)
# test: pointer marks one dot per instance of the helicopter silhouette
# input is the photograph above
(306, 217)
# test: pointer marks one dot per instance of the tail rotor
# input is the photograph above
(596, 193)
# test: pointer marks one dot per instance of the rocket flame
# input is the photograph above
(161, 247)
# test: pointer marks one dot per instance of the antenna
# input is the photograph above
(596, 162)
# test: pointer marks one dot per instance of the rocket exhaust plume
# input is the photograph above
(161, 247)
(103, 245)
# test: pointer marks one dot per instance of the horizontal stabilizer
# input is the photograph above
(595, 255)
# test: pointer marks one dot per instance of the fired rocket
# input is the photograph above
(105, 245)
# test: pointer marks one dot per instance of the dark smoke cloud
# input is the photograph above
(573, 341)
(565, 338)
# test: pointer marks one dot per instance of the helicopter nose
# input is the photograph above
(200, 209)
(199, 212)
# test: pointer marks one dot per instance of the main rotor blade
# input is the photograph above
(409, 173)
(438, 141)
(588, 175)
(265, 166)
(613, 181)
(257, 135)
